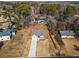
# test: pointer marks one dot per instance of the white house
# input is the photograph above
(38, 33)
(6, 34)
(67, 34)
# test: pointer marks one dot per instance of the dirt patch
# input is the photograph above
(69, 44)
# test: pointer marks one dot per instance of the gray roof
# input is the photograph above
(37, 32)
(67, 33)
(5, 32)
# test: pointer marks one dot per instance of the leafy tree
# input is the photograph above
(19, 9)
(51, 26)
(16, 23)
(70, 10)
(49, 8)
(22, 8)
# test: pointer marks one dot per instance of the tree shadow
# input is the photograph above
(76, 47)
(1, 44)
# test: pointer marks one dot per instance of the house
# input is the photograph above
(38, 33)
(6, 34)
(37, 18)
(67, 34)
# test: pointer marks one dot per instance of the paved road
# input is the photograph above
(32, 51)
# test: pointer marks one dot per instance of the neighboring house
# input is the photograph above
(8, 6)
(6, 34)
(38, 33)
(37, 18)
(67, 34)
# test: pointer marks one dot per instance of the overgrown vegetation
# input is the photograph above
(18, 9)
(49, 8)
(70, 10)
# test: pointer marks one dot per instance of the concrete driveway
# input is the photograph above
(33, 46)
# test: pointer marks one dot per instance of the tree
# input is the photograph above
(51, 27)
(16, 23)
(22, 8)
(49, 8)
(70, 10)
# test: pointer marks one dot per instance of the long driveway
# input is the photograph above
(33, 46)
